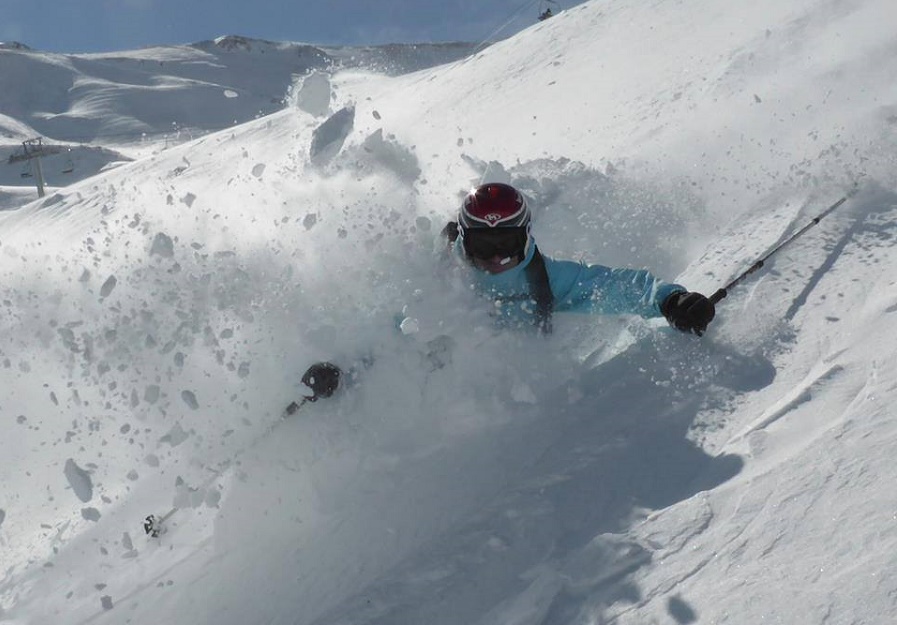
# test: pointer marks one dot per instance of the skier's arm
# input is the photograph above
(599, 289)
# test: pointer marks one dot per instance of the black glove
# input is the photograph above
(323, 379)
(688, 311)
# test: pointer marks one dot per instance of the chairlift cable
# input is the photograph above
(513, 16)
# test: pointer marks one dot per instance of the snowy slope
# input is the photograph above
(157, 317)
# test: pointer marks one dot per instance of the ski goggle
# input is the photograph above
(488, 243)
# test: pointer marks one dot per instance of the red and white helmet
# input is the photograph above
(494, 205)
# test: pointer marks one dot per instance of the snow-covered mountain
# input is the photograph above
(157, 316)
(100, 109)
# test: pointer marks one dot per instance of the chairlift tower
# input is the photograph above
(34, 149)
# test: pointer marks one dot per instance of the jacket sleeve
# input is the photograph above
(598, 289)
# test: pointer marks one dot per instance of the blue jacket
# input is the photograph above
(576, 287)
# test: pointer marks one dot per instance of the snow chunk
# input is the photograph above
(523, 393)
(390, 154)
(106, 602)
(229, 93)
(90, 514)
(2, 516)
(328, 138)
(79, 480)
(189, 398)
(190, 497)
(176, 435)
(151, 394)
(162, 246)
(258, 170)
(314, 94)
(409, 325)
(108, 286)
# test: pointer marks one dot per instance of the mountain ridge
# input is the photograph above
(91, 100)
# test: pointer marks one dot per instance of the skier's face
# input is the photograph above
(495, 250)
(496, 264)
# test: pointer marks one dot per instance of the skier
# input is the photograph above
(493, 238)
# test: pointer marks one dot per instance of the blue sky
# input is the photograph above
(104, 25)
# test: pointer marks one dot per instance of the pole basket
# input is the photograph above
(152, 525)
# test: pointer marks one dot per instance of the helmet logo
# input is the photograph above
(492, 217)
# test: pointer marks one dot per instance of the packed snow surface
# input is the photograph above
(157, 317)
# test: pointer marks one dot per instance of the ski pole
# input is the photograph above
(322, 378)
(723, 292)
(154, 525)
